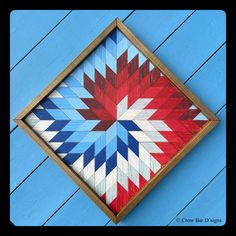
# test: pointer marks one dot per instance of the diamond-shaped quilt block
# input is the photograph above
(117, 120)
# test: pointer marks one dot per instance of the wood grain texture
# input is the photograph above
(23, 36)
(205, 99)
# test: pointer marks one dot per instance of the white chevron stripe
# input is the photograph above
(78, 165)
(155, 136)
(129, 115)
(32, 119)
(42, 125)
(100, 174)
(122, 107)
(154, 165)
(101, 187)
(151, 147)
(133, 175)
(122, 163)
(111, 193)
(122, 179)
(136, 111)
(90, 182)
(160, 125)
(55, 94)
(48, 135)
(140, 136)
(88, 171)
(62, 155)
(55, 145)
(144, 155)
(141, 103)
(133, 159)
(111, 178)
(144, 170)
(145, 114)
(145, 125)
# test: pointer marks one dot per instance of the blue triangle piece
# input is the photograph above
(122, 148)
(89, 155)
(133, 144)
(111, 163)
(66, 147)
(70, 158)
(100, 158)
(113, 35)
(62, 136)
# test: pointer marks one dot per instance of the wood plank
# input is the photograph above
(21, 164)
(23, 36)
(51, 56)
(40, 195)
(160, 18)
(154, 26)
(77, 210)
(192, 44)
(214, 74)
(209, 205)
(183, 183)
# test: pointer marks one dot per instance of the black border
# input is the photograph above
(5, 10)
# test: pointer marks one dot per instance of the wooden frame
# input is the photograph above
(213, 120)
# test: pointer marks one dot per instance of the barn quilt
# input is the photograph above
(116, 120)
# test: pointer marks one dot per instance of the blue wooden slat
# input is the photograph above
(21, 164)
(75, 208)
(192, 44)
(154, 26)
(209, 205)
(214, 74)
(54, 53)
(27, 28)
(181, 185)
(32, 203)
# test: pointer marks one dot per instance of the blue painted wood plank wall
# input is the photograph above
(191, 43)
